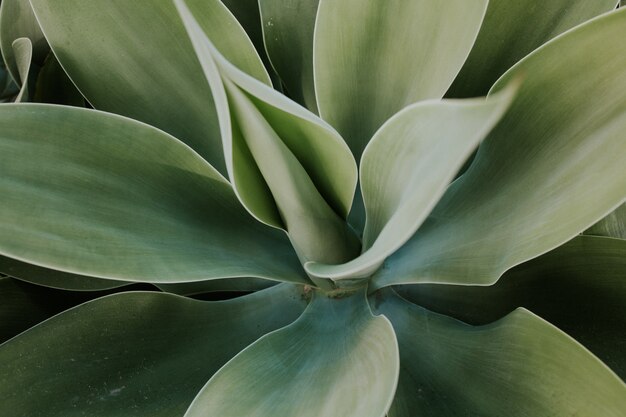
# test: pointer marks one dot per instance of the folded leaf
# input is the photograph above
(97, 194)
(288, 167)
(18, 21)
(337, 359)
(406, 168)
(519, 366)
(544, 174)
(145, 352)
(579, 287)
(288, 28)
(23, 54)
(147, 69)
(372, 58)
(513, 29)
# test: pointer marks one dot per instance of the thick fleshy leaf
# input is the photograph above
(372, 58)
(289, 168)
(18, 21)
(518, 366)
(406, 168)
(545, 173)
(288, 28)
(579, 287)
(147, 68)
(54, 279)
(145, 352)
(513, 29)
(97, 194)
(337, 359)
(613, 225)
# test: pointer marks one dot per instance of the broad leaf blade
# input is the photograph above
(337, 359)
(145, 352)
(519, 366)
(406, 168)
(579, 287)
(372, 58)
(147, 68)
(544, 174)
(97, 194)
(513, 29)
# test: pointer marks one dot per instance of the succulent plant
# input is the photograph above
(412, 195)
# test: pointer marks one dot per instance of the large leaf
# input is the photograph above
(519, 366)
(289, 168)
(54, 279)
(18, 21)
(579, 287)
(337, 359)
(97, 194)
(146, 69)
(546, 172)
(406, 168)
(145, 353)
(372, 58)
(288, 28)
(513, 29)
(613, 225)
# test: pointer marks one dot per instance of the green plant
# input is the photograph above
(135, 192)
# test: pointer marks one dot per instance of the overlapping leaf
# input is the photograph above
(148, 353)
(406, 168)
(337, 359)
(97, 194)
(545, 173)
(517, 366)
(372, 58)
(289, 168)
(579, 287)
(147, 69)
(613, 225)
(513, 29)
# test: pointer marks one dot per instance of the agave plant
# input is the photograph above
(411, 194)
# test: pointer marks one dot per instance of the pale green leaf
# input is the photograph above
(580, 287)
(289, 168)
(288, 28)
(54, 279)
(547, 171)
(146, 69)
(337, 359)
(372, 58)
(142, 353)
(18, 21)
(23, 55)
(518, 366)
(513, 29)
(613, 225)
(97, 194)
(406, 168)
